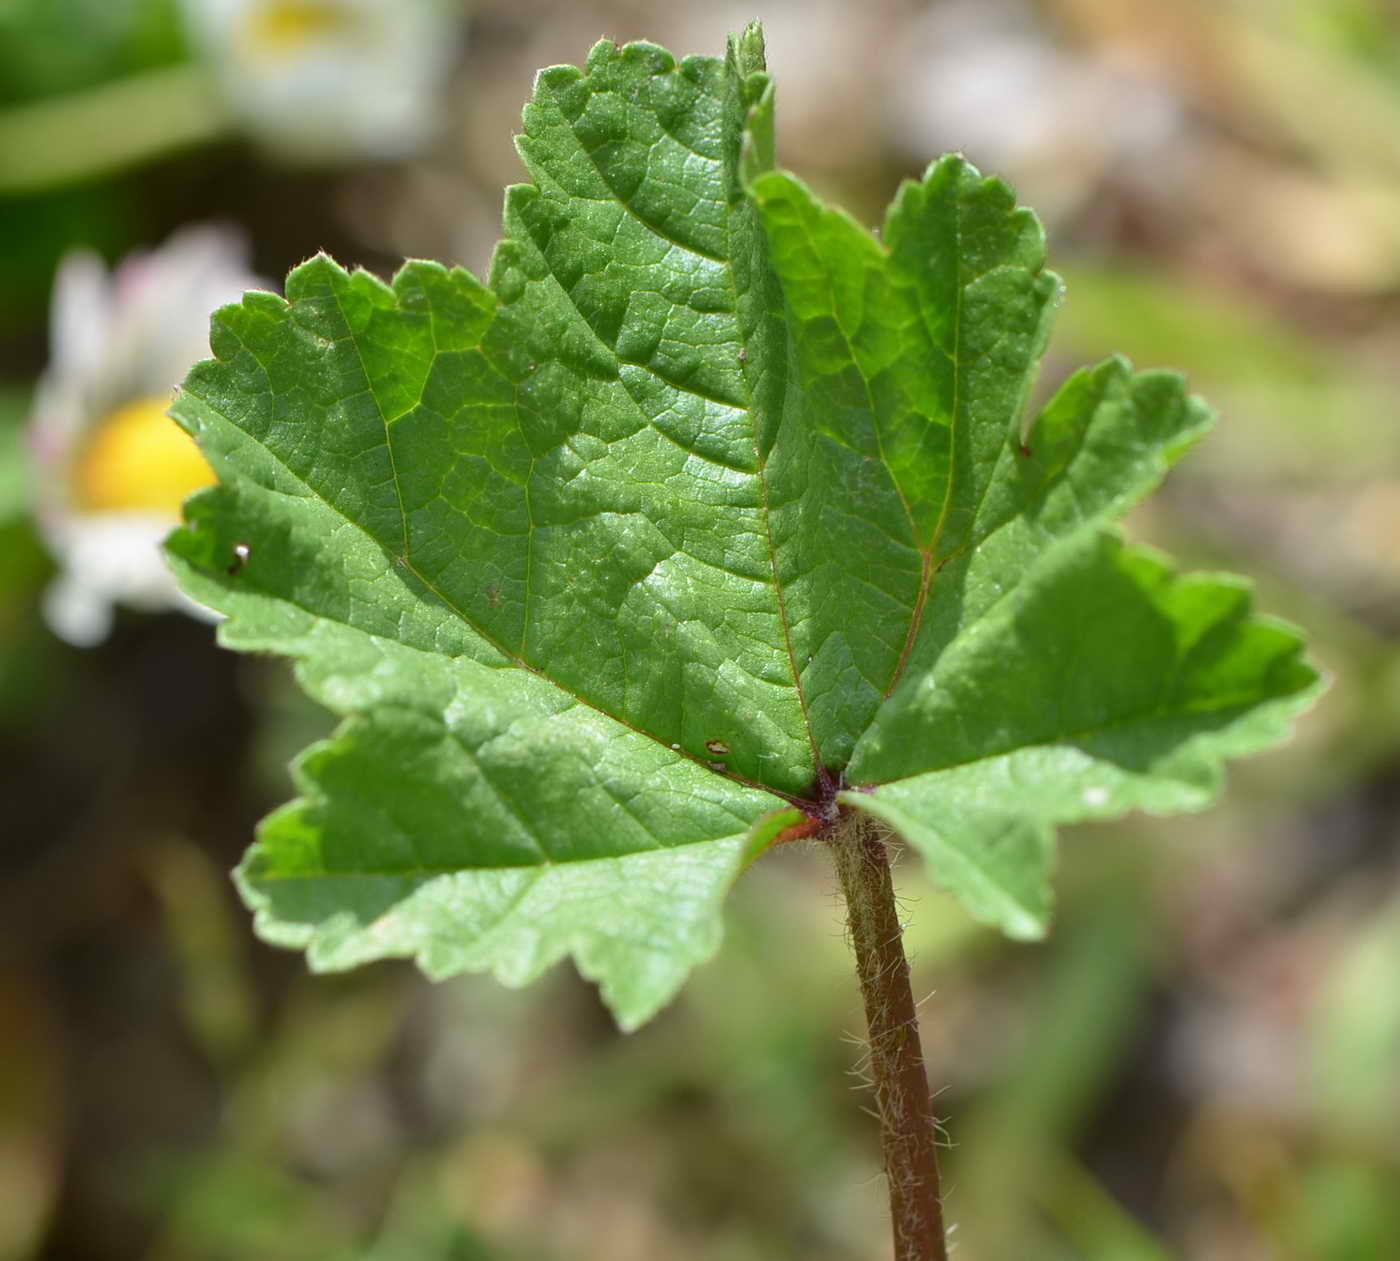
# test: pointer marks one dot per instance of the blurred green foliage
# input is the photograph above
(49, 47)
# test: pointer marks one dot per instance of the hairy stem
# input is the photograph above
(907, 1123)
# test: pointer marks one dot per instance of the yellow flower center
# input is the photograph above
(284, 27)
(139, 460)
(281, 27)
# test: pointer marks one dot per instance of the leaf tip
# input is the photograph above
(651, 58)
(314, 276)
(748, 50)
(552, 78)
(1026, 928)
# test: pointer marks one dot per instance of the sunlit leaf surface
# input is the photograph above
(711, 513)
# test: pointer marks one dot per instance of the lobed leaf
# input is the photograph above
(711, 514)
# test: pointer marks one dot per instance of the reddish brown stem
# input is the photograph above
(907, 1123)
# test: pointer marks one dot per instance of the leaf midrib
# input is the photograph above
(760, 460)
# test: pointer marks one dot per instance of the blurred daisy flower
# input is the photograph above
(111, 468)
(328, 80)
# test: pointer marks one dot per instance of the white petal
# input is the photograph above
(76, 613)
(109, 559)
(80, 313)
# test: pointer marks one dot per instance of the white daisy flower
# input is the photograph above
(111, 468)
(328, 80)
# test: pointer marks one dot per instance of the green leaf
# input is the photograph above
(712, 514)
